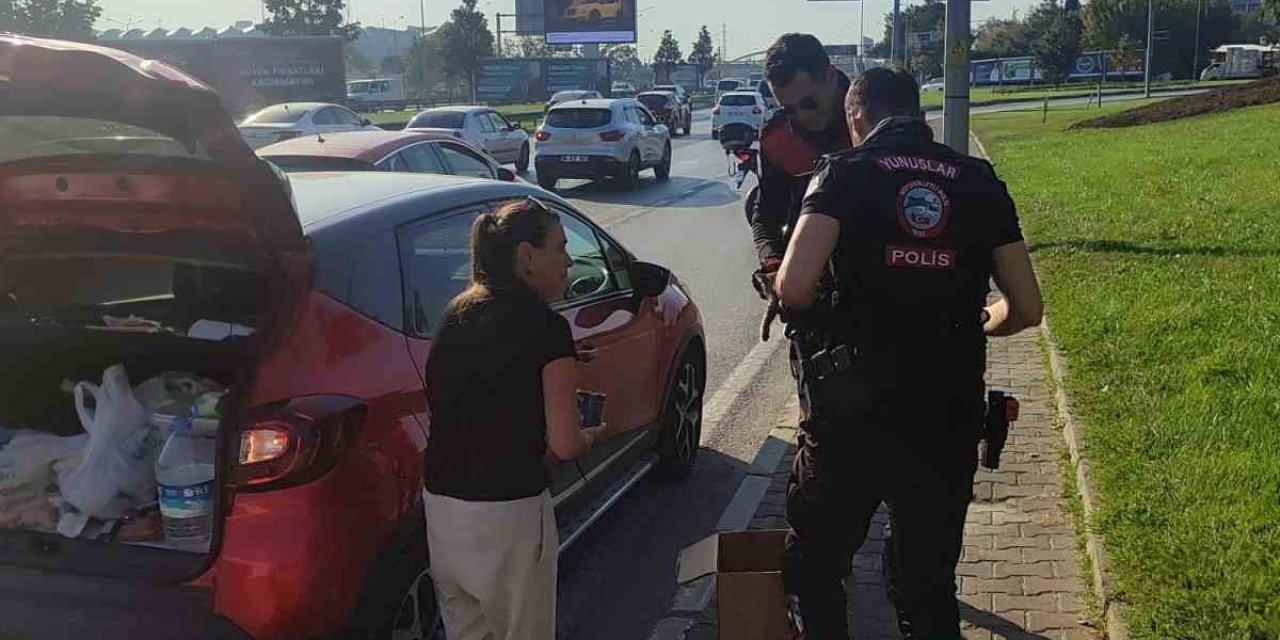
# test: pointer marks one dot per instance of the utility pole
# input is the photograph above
(895, 49)
(955, 102)
(1151, 42)
(422, 50)
(1195, 64)
(499, 17)
(724, 41)
(862, 30)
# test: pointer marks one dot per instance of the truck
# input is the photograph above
(250, 73)
(376, 94)
(1239, 61)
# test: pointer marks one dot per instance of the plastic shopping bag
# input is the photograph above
(117, 470)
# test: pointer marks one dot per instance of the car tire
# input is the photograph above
(399, 602)
(663, 170)
(547, 182)
(678, 441)
(631, 175)
(522, 160)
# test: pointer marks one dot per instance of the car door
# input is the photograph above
(462, 161)
(511, 137)
(488, 136)
(607, 318)
(434, 258)
(651, 134)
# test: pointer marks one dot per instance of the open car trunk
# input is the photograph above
(80, 473)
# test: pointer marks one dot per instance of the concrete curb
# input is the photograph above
(692, 600)
(1073, 432)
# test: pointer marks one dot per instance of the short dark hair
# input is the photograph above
(884, 92)
(795, 52)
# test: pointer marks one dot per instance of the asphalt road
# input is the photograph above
(617, 580)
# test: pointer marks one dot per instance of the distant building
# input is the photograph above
(1246, 6)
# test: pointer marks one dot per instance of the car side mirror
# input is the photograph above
(506, 175)
(649, 280)
(366, 122)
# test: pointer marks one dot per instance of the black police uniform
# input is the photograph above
(788, 157)
(900, 420)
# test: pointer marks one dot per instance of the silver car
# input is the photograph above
(296, 119)
(483, 127)
(596, 139)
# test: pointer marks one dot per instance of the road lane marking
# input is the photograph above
(735, 385)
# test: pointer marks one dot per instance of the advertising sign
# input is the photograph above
(1091, 65)
(529, 17)
(251, 73)
(590, 21)
(515, 80)
(684, 75)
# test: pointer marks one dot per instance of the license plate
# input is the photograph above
(575, 158)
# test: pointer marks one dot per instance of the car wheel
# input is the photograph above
(688, 123)
(663, 170)
(631, 179)
(522, 161)
(682, 417)
(547, 182)
(419, 615)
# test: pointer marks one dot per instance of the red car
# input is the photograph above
(130, 210)
(408, 151)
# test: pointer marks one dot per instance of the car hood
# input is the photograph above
(219, 186)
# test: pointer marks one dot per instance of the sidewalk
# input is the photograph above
(1019, 574)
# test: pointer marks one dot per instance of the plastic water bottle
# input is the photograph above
(185, 475)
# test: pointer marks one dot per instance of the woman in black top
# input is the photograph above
(501, 389)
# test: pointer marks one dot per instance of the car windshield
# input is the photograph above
(277, 114)
(578, 118)
(737, 101)
(727, 85)
(654, 100)
(23, 137)
(438, 120)
(359, 87)
(297, 164)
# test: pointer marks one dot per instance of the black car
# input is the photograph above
(667, 108)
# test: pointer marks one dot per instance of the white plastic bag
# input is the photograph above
(118, 467)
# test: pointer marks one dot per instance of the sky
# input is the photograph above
(749, 25)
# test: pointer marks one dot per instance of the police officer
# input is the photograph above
(899, 236)
(809, 124)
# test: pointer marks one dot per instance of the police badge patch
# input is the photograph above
(923, 209)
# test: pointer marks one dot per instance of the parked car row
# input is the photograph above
(330, 287)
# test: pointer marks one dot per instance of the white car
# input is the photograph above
(295, 119)
(934, 85)
(483, 127)
(729, 84)
(741, 108)
(601, 139)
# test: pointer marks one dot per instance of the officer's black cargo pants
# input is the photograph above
(920, 459)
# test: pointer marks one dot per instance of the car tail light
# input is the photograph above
(291, 443)
(541, 136)
(715, 111)
(287, 135)
(756, 110)
(612, 135)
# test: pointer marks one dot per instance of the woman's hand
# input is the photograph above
(565, 436)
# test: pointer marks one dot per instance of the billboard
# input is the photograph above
(684, 75)
(251, 73)
(516, 80)
(529, 20)
(1091, 65)
(590, 21)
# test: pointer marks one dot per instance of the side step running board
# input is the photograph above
(572, 530)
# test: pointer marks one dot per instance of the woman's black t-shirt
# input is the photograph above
(484, 388)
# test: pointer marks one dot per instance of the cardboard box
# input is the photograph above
(748, 576)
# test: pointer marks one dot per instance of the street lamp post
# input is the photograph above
(1151, 41)
(1195, 60)
(422, 50)
(895, 50)
(955, 101)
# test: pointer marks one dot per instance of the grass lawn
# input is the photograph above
(509, 110)
(1159, 251)
(989, 95)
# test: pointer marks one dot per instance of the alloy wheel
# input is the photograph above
(688, 408)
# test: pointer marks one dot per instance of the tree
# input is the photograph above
(1056, 40)
(667, 56)
(424, 66)
(1106, 21)
(926, 51)
(1271, 13)
(624, 63)
(391, 65)
(308, 18)
(998, 38)
(464, 40)
(358, 66)
(527, 47)
(64, 19)
(703, 54)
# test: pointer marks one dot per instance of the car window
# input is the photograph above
(500, 121)
(575, 118)
(437, 120)
(645, 118)
(277, 114)
(653, 101)
(422, 158)
(485, 122)
(329, 116)
(349, 117)
(590, 275)
(465, 162)
(435, 263)
(394, 163)
(738, 100)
